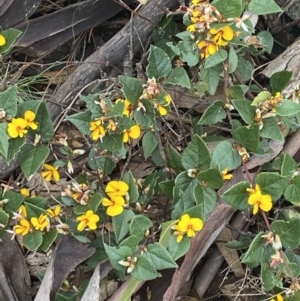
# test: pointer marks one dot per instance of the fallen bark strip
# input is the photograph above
(111, 53)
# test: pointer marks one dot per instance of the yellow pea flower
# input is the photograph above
(226, 175)
(25, 191)
(222, 36)
(41, 222)
(54, 212)
(258, 200)
(207, 48)
(115, 205)
(2, 40)
(89, 219)
(187, 226)
(116, 188)
(29, 116)
(134, 132)
(278, 298)
(17, 128)
(23, 228)
(98, 131)
(51, 172)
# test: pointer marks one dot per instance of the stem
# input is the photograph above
(266, 220)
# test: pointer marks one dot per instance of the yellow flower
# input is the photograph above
(222, 36)
(188, 226)
(226, 175)
(278, 298)
(23, 228)
(116, 188)
(53, 212)
(50, 173)
(29, 116)
(207, 48)
(25, 191)
(2, 40)
(41, 222)
(191, 28)
(89, 219)
(98, 131)
(16, 128)
(115, 205)
(258, 200)
(134, 132)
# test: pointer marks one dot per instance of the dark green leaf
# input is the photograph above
(213, 114)
(132, 88)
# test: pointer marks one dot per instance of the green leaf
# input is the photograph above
(189, 50)
(3, 218)
(133, 189)
(33, 240)
(143, 269)
(166, 232)
(184, 202)
(270, 277)
(225, 156)
(272, 183)
(213, 114)
(229, 8)
(14, 201)
(121, 224)
(176, 249)
(9, 101)
(132, 241)
(288, 232)
(95, 201)
(112, 142)
(196, 155)
(206, 200)
(178, 76)
(249, 138)
(258, 7)
(266, 39)
(292, 192)
(212, 177)
(45, 124)
(247, 112)
(271, 129)
(232, 60)
(10, 35)
(159, 257)
(280, 80)
(289, 165)
(117, 254)
(159, 63)
(48, 240)
(116, 110)
(215, 59)
(287, 108)
(174, 159)
(139, 225)
(236, 92)
(182, 183)
(211, 77)
(237, 195)
(258, 252)
(82, 121)
(166, 188)
(31, 158)
(244, 69)
(132, 88)
(149, 143)
(4, 144)
(14, 147)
